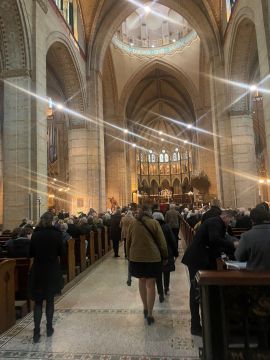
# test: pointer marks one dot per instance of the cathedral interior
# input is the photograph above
(130, 100)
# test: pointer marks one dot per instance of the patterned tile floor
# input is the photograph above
(101, 318)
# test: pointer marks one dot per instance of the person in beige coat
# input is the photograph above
(146, 250)
(124, 225)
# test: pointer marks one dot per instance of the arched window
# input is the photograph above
(161, 158)
(142, 157)
(178, 156)
(153, 158)
(166, 157)
(175, 156)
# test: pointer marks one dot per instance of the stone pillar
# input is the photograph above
(206, 159)
(222, 144)
(79, 155)
(16, 150)
(39, 165)
(96, 161)
(244, 161)
(116, 166)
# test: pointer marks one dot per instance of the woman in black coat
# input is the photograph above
(45, 275)
(172, 253)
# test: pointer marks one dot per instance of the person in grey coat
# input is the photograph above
(254, 245)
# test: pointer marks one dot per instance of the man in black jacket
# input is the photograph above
(208, 244)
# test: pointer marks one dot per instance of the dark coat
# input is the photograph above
(45, 275)
(254, 247)
(73, 230)
(17, 248)
(208, 244)
(85, 229)
(115, 230)
(243, 222)
(212, 212)
(171, 245)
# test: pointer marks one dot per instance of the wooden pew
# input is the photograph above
(92, 256)
(68, 261)
(80, 252)
(237, 232)
(7, 297)
(187, 231)
(98, 244)
(235, 308)
(104, 240)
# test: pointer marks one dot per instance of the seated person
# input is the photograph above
(254, 245)
(19, 247)
(65, 235)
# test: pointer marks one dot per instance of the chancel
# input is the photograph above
(133, 132)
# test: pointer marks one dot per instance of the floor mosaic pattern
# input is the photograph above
(101, 319)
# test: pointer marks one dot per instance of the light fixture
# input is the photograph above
(176, 149)
(174, 40)
(150, 151)
(125, 131)
(162, 139)
(253, 88)
(189, 126)
(261, 181)
(147, 9)
(131, 44)
(59, 106)
(153, 45)
(268, 180)
(61, 189)
(160, 132)
(54, 179)
(185, 141)
(134, 145)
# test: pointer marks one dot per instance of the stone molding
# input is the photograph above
(239, 113)
(43, 4)
(15, 73)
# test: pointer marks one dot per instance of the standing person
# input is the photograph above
(146, 249)
(126, 221)
(124, 225)
(208, 244)
(172, 218)
(115, 231)
(163, 285)
(45, 275)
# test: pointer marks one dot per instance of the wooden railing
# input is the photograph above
(235, 314)
(187, 232)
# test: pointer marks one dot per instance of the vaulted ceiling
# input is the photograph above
(95, 10)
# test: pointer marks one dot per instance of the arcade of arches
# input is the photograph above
(126, 99)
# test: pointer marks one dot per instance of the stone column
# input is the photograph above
(222, 144)
(244, 160)
(39, 165)
(16, 150)
(96, 161)
(206, 159)
(116, 165)
(78, 154)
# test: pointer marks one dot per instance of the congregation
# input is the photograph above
(151, 236)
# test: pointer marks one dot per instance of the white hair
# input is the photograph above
(158, 216)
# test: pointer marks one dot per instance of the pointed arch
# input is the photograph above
(176, 73)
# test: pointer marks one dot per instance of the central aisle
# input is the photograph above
(101, 318)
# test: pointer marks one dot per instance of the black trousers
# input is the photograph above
(193, 303)
(165, 276)
(116, 246)
(38, 312)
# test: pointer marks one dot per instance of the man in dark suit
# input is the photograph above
(208, 244)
